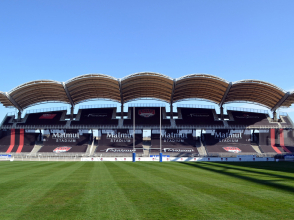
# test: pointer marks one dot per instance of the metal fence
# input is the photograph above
(195, 106)
(247, 110)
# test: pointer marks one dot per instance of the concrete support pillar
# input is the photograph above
(222, 112)
(171, 111)
(275, 116)
(71, 112)
(40, 135)
(122, 111)
(19, 116)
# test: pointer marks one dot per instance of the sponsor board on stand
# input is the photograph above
(119, 150)
(61, 149)
(146, 113)
(96, 115)
(246, 116)
(47, 116)
(198, 115)
(232, 149)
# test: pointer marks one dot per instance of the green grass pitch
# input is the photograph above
(146, 190)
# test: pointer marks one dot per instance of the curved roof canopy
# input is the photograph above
(93, 86)
(200, 86)
(256, 92)
(39, 91)
(146, 85)
(289, 101)
(5, 100)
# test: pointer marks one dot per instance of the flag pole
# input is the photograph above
(134, 154)
(160, 153)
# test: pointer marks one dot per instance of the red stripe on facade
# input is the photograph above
(273, 141)
(12, 141)
(282, 143)
(21, 141)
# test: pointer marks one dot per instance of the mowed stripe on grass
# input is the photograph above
(146, 190)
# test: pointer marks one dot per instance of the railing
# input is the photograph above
(290, 120)
(247, 110)
(283, 113)
(146, 105)
(195, 106)
(54, 109)
(11, 113)
(143, 126)
(98, 106)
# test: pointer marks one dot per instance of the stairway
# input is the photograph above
(226, 125)
(256, 147)
(78, 116)
(120, 123)
(36, 148)
(200, 147)
(88, 150)
(173, 123)
(67, 124)
(146, 148)
(92, 148)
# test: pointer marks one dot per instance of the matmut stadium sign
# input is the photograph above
(230, 135)
(61, 136)
(173, 135)
(119, 137)
(65, 137)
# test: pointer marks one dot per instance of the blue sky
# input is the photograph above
(59, 40)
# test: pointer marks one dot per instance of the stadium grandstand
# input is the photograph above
(184, 131)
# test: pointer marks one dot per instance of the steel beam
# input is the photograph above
(68, 95)
(172, 99)
(226, 94)
(16, 105)
(121, 100)
(280, 102)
